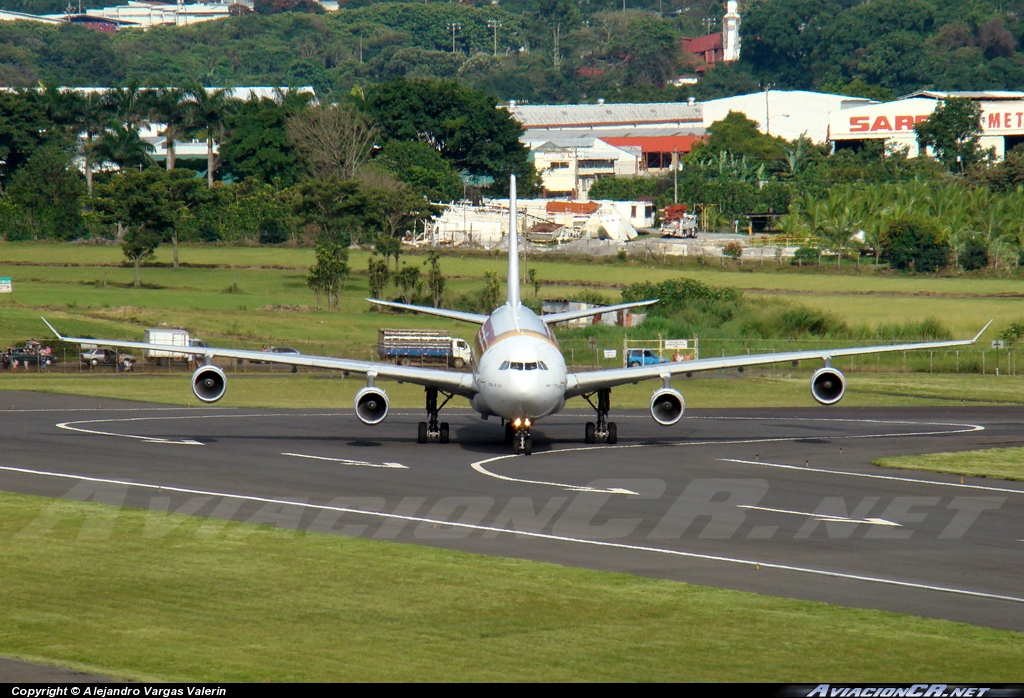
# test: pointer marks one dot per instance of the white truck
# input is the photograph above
(172, 338)
(407, 347)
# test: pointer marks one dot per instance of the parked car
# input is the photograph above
(279, 350)
(105, 357)
(643, 357)
(32, 354)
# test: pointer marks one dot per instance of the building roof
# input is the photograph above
(700, 44)
(591, 115)
(656, 144)
(976, 95)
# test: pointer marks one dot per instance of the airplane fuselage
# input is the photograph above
(520, 371)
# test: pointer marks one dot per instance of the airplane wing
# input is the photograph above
(475, 318)
(455, 382)
(590, 312)
(589, 381)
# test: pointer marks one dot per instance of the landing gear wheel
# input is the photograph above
(523, 442)
(432, 429)
(510, 433)
(589, 436)
(613, 433)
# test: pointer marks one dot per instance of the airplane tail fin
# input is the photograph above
(513, 246)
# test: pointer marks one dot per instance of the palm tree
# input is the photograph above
(838, 224)
(170, 108)
(122, 146)
(207, 112)
(85, 114)
(130, 104)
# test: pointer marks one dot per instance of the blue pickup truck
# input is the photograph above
(643, 357)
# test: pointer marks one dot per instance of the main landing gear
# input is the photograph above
(517, 435)
(432, 429)
(603, 430)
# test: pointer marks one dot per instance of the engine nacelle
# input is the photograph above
(667, 406)
(371, 405)
(209, 383)
(828, 385)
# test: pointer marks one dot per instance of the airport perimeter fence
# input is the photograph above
(580, 354)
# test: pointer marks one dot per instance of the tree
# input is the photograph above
(378, 274)
(168, 106)
(258, 145)
(408, 282)
(27, 122)
(492, 291)
(332, 140)
(740, 137)
(330, 270)
(140, 246)
(122, 146)
(45, 192)
(91, 116)
(953, 132)
(463, 125)
(435, 278)
(421, 167)
(207, 111)
(915, 245)
(141, 205)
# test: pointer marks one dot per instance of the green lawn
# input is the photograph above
(159, 597)
(1001, 463)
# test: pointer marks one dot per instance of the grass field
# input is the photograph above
(163, 597)
(1001, 463)
(153, 596)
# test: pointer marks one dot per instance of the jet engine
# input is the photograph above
(828, 385)
(371, 405)
(209, 383)
(667, 406)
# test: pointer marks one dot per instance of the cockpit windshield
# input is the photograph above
(523, 366)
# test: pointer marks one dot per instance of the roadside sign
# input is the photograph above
(997, 344)
(5, 285)
(677, 344)
(610, 353)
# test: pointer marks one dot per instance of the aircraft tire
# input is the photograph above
(588, 433)
(421, 436)
(528, 446)
(444, 433)
(613, 433)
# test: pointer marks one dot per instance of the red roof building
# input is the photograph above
(709, 48)
(656, 151)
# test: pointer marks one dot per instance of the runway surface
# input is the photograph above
(780, 502)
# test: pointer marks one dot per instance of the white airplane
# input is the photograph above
(518, 371)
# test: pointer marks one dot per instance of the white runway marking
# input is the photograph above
(823, 517)
(72, 426)
(478, 466)
(346, 461)
(545, 536)
(873, 476)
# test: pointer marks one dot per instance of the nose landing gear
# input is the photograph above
(517, 435)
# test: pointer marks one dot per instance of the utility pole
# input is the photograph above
(675, 175)
(454, 27)
(556, 59)
(494, 24)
